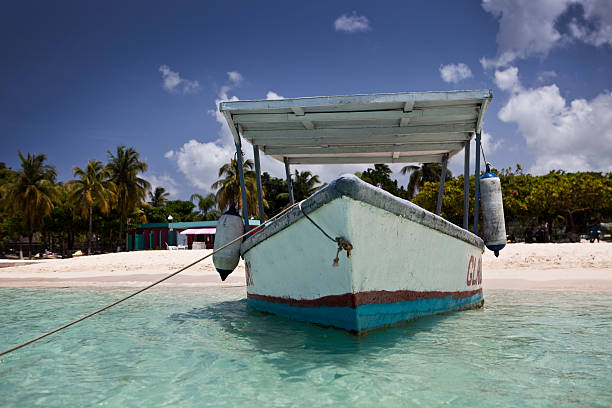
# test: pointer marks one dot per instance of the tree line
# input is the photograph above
(565, 203)
(32, 201)
(103, 201)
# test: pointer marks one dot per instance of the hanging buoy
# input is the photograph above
(229, 227)
(494, 227)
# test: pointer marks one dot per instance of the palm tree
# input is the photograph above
(131, 190)
(92, 187)
(304, 185)
(159, 197)
(10, 224)
(427, 172)
(228, 187)
(206, 204)
(32, 191)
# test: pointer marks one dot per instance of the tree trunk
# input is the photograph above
(90, 230)
(65, 244)
(30, 236)
(120, 232)
(571, 222)
(110, 239)
(122, 222)
(70, 240)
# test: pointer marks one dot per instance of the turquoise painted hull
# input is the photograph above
(368, 316)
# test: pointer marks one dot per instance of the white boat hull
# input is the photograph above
(405, 262)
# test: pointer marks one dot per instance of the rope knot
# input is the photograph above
(343, 245)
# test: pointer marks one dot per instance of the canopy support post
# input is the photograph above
(289, 183)
(476, 181)
(245, 212)
(260, 205)
(466, 186)
(442, 179)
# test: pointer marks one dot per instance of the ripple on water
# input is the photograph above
(206, 348)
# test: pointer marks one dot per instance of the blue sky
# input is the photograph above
(80, 78)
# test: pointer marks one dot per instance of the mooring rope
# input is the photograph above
(314, 223)
(343, 244)
(148, 287)
(483, 153)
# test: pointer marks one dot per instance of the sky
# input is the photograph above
(83, 77)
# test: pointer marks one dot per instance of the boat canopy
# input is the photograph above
(410, 127)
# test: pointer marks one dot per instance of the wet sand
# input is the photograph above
(577, 266)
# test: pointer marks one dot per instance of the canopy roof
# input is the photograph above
(380, 128)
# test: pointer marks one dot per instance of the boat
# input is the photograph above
(353, 256)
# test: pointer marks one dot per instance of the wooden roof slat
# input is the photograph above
(360, 132)
(336, 149)
(434, 158)
(471, 111)
(372, 140)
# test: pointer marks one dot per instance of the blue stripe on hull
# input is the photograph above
(367, 317)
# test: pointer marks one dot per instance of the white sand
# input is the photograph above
(550, 266)
(582, 266)
(126, 269)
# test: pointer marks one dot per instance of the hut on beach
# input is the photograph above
(175, 235)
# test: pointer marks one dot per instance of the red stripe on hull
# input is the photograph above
(364, 298)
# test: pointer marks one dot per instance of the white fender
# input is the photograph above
(494, 226)
(229, 227)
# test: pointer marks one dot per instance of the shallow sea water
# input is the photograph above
(186, 348)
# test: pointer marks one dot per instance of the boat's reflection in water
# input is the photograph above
(278, 337)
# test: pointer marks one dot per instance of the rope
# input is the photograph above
(483, 154)
(314, 223)
(343, 244)
(145, 288)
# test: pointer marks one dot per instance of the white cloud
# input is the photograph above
(489, 145)
(598, 30)
(200, 162)
(455, 72)
(273, 95)
(546, 75)
(235, 77)
(508, 79)
(165, 181)
(172, 81)
(528, 27)
(573, 137)
(352, 23)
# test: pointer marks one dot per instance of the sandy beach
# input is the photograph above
(577, 266)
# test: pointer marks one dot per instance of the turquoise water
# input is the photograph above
(205, 348)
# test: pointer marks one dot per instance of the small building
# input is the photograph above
(180, 235)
